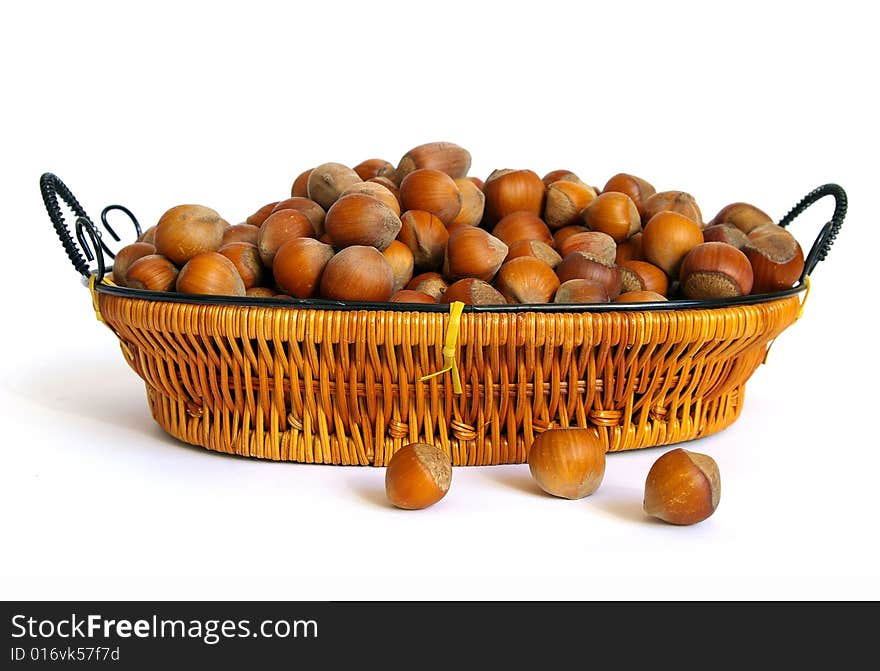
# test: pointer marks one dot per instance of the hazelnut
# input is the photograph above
(377, 191)
(410, 296)
(565, 202)
(472, 252)
(246, 259)
(560, 175)
(298, 266)
(521, 225)
(667, 237)
(400, 258)
(128, 255)
(776, 257)
(472, 203)
(187, 230)
(476, 180)
(393, 187)
(426, 237)
(446, 157)
(152, 272)
(640, 297)
(327, 182)
(210, 273)
(433, 191)
(148, 235)
(359, 219)
(580, 266)
(672, 201)
(357, 273)
(613, 213)
(512, 191)
(471, 291)
(682, 487)
(634, 187)
(278, 228)
(630, 249)
(581, 291)
(418, 475)
(564, 233)
(261, 292)
(314, 212)
(430, 283)
(258, 217)
(643, 276)
(240, 233)
(743, 216)
(726, 233)
(715, 270)
(375, 167)
(301, 184)
(595, 244)
(526, 280)
(568, 463)
(536, 249)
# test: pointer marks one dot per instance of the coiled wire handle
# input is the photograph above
(829, 231)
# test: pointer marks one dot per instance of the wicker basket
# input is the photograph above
(336, 383)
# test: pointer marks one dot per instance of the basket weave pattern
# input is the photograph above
(343, 387)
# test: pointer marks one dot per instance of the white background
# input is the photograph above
(225, 103)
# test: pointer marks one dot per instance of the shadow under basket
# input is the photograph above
(340, 383)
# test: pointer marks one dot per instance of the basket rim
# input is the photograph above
(547, 308)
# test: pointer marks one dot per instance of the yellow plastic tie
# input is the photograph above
(806, 296)
(92, 279)
(449, 344)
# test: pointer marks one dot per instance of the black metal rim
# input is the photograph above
(545, 308)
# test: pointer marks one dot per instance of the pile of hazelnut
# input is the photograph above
(424, 231)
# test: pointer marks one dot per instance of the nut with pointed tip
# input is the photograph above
(278, 228)
(580, 266)
(359, 219)
(431, 283)
(595, 244)
(568, 463)
(301, 184)
(579, 291)
(298, 266)
(327, 182)
(400, 258)
(152, 272)
(521, 225)
(240, 233)
(630, 250)
(473, 252)
(744, 216)
(715, 270)
(776, 257)
(535, 249)
(410, 296)
(426, 237)
(246, 259)
(375, 167)
(472, 203)
(726, 233)
(634, 187)
(471, 291)
(261, 292)
(433, 191)
(613, 213)
(446, 157)
(565, 202)
(418, 475)
(357, 273)
(560, 175)
(667, 237)
(308, 207)
(210, 273)
(682, 487)
(510, 191)
(526, 280)
(672, 201)
(187, 230)
(643, 276)
(128, 255)
(258, 217)
(564, 233)
(148, 235)
(393, 187)
(377, 191)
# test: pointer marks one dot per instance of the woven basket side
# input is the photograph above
(327, 386)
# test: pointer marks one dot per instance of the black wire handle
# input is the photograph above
(85, 244)
(829, 231)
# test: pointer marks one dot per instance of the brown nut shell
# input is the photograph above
(152, 273)
(636, 188)
(432, 191)
(278, 228)
(308, 207)
(595, 244)
(410, 296)
(672, 201)
(240, 233)
(640, 297)
(726, 233)
(377, 191)
(300, 186)
(210, 273)
(565, 202)
(776, 258)
(682, 487)
(613, 213)
(187, 230)
(512, 191)
(744, 216)
(418, 475)
(298, 266)
(715, 270)
(400, 258)
(630, 250)
(431, 283)
(375, 167)
(258, 217)
(473, 252)
(446, 157)
(426, 237)
(359, 219)
(579, 291)
(357, 273)
(246, 258)
(667, 237)
(536, 249)
(526, 280)
(472, 203)
(471, 291)
(128, 255)
(327, 182)
(579, 265)
(522, 225)
(643, 276)
(568, 463)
